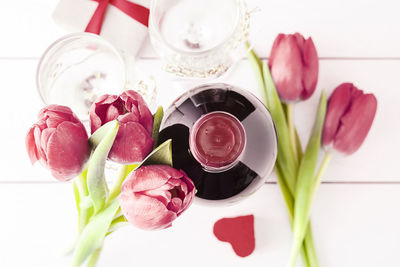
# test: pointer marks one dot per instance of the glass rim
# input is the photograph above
(152, 25)
(64, 38)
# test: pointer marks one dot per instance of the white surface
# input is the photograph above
(354, 225)
(355, 218)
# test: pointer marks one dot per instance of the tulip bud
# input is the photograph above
(59, 141)
(294, 66)
(155, 195)
(348, 119)
(133, 141)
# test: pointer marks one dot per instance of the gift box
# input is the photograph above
(122, 22)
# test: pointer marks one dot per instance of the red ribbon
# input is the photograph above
(135, 11)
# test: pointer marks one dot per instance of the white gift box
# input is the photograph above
(124, 32)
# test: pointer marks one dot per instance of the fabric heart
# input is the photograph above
(239, 232)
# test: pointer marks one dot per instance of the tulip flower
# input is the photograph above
(133, 142)
(349, 118)
(294, 66)
(155, 195)
(285, 167)
(59, 141)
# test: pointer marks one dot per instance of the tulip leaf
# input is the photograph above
(284, 172)
(285, 159)
(117, 223)
(83, 202)
(305, 180)
(77, 200)
(162, 155)
(93, 235)
(100, 133)
(257, 67)
(96, 181)
(157, 118)
(299, 148)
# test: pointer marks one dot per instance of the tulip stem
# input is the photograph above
(94, 257)
(290, 207)
(308, 249)
(308, 242)
(116, 188)
(305, 181)
(84, 204)
(81, 182)
(320, 173)
(292, 130)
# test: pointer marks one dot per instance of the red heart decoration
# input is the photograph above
(239, 232)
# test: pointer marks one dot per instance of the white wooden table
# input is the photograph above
(355, 217)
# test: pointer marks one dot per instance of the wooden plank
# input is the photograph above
(339, 28)
(21, 104)
(374, 76)
(354, 225)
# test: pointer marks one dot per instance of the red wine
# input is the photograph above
(224, 138)
(217, 140)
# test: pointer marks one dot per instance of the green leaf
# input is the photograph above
(93, 235)
(94, 257)
(308, 248)
(77, 197)
(305, 180)
(83, 202)
(256, 64)
(253, 57)
(117, 223)
(162, 155)
(157, 118)
(285, 159)
(96, 181)
(100, 133)
(298, 146)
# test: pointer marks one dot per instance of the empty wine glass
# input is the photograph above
(198, 39)
(78, 68)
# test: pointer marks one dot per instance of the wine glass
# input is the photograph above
(78, 68)
(198, 39)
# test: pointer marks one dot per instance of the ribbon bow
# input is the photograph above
(135, 11)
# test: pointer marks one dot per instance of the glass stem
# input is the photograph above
(292, 130)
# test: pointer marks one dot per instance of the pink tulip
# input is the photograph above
(155, 195)
(294, 66)
(59, 141)
(133, 141)
(349, 118)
